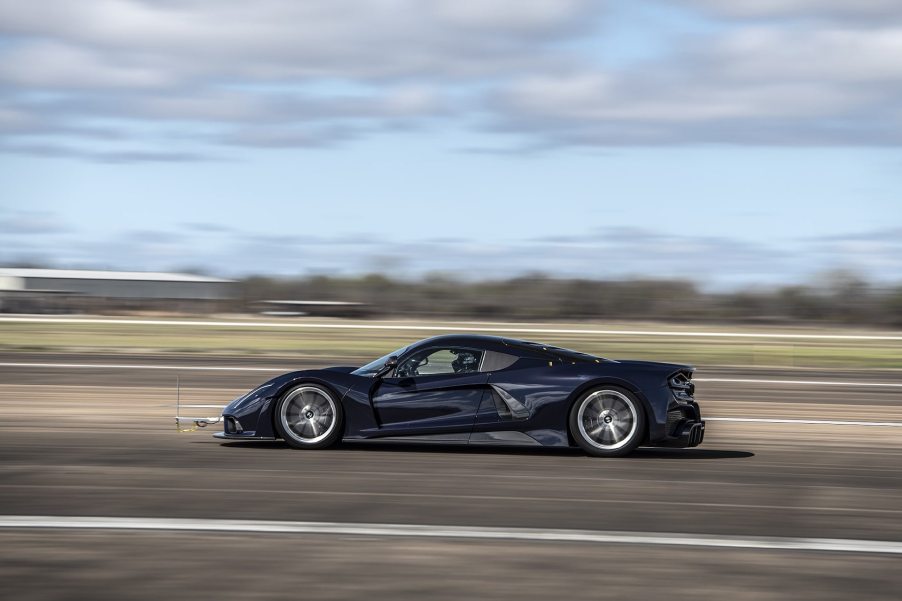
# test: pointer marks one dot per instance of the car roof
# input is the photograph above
(521, 348)
(478, 340)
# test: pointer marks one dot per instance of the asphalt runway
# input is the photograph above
(100, 441)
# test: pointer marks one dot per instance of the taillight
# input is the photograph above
(682, 385)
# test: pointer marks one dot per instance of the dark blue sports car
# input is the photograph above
(477, 390)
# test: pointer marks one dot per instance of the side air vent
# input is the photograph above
(508, 407)
(232, 425)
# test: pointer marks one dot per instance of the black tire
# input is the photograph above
(308, 416)
(607, 422)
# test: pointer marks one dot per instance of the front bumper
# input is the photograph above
(241, 436)
(234, 430)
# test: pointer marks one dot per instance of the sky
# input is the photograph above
(732, 142)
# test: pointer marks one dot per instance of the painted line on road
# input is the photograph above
(145, 366)
(457, 532)
(824, 422)
(287, 369)
(762, 420)
(800, 382)
(444, 328)
(407, 496)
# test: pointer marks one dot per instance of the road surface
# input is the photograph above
(99, 441)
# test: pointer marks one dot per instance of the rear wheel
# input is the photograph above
(607, 422)
(309, 417)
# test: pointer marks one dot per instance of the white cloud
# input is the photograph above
(830, 54)
(748, 86)
(287, 39)
(534, 15)
(881, 10)
(54, 65)
(29, 223)
(283, 73)
(601, 253)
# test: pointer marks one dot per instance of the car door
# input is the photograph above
(433, 391)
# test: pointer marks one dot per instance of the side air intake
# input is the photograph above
(508, 407)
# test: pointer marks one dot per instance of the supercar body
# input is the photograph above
(472, 389)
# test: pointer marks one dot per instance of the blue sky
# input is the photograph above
(735, 143)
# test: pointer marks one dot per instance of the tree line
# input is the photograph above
(841, 298)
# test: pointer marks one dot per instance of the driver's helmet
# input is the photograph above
(465, 362)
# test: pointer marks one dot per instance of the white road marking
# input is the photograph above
(257, 492)
(762, 420)
(446, 328)
(826, 422)
(432, 531)
(799, 382)
(726, 380)
(145, 366)
(288, 369)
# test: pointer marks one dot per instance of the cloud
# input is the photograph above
(283, 38)
(207, 227)
(316, 74)
(867, 10)
(890, 234)
(30, 223)
(290, 137)
(105, 156)
(877, 253)
(315, 68)
(828, 54)
(752, 86)
(54, 65)
(602, 253)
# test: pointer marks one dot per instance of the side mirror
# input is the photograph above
(387, 367)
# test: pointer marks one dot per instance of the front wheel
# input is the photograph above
(309, 417)
(607, 422)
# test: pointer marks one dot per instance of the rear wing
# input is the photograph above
(198, 422)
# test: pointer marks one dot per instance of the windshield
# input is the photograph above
(372, 367)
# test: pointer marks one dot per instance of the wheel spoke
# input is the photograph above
(308, 414)
(607, 419)
(607, 434)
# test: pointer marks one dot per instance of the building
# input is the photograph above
(68, 290)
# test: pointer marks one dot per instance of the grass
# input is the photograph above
(356, 345)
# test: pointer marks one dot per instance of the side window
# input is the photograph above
(495, 361)
(440, 361)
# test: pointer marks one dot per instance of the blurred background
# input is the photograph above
(197, 186)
